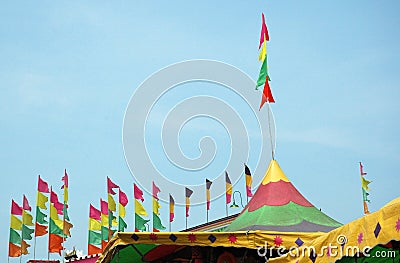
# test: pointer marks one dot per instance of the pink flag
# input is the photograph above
(156, 190)
(94, 213)
(57, 205)
(264, 32)
(16, 209)
(65, 179)
(123, 199)
(104, 207)
(362, 170)
(110, 186)
(42, 186)
(137, 193)
(25, 204)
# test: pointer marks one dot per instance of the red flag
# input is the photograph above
(267, 94)
(138, 194)
(94, 213)
(43, 186)
(110, 186)
(264, 32)
(55, 243)
(65, 179)
(104, 207)
(25, 204)
(123, 199)
(15, 208)
(156, 190)
(14, 250)
(40, 230)
(93, 250)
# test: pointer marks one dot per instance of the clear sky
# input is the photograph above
(68, 70)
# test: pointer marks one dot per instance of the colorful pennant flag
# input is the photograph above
(94, 235)
(66, 221)
(123, 201)
(41, 200)
(365, 189)
(140, 222)
(248, 181)
(14, 244)
(188, 193)
(263, 77)
(27, 220)
(112, 207)
(105, 231)
(157, 224)
(228, 188)
(208, 185)
(171, 208)
(56, 233)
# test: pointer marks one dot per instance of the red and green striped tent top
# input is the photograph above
(278, 206)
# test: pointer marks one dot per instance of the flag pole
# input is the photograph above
(22, 229)
(34, 233)
(48, 244)
(270, 133)
(186, 222)
(226, 208)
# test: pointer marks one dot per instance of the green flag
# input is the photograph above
(94, 238)
(15, 238)
(54, 229)
(157, 223)
(65, 211)
(263, 74)
(27, 233)
(40, 217)
(121, 225)
(140, 223)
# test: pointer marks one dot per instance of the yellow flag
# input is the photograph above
(263, 52)
(41, 200)
(114, 222)
(53, 213)
(104, 220)
(365, 183)
(139, 209)
(156, 206)
(59, 223)
(94, 224)
(121, 211)
(15, 223)
(65, 195)
(111, 203)
(27, 218)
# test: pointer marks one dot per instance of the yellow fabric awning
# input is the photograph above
(240, 239)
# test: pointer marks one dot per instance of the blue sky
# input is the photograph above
(68, 70)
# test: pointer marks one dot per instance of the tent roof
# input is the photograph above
(278, 206)
(370, 231)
